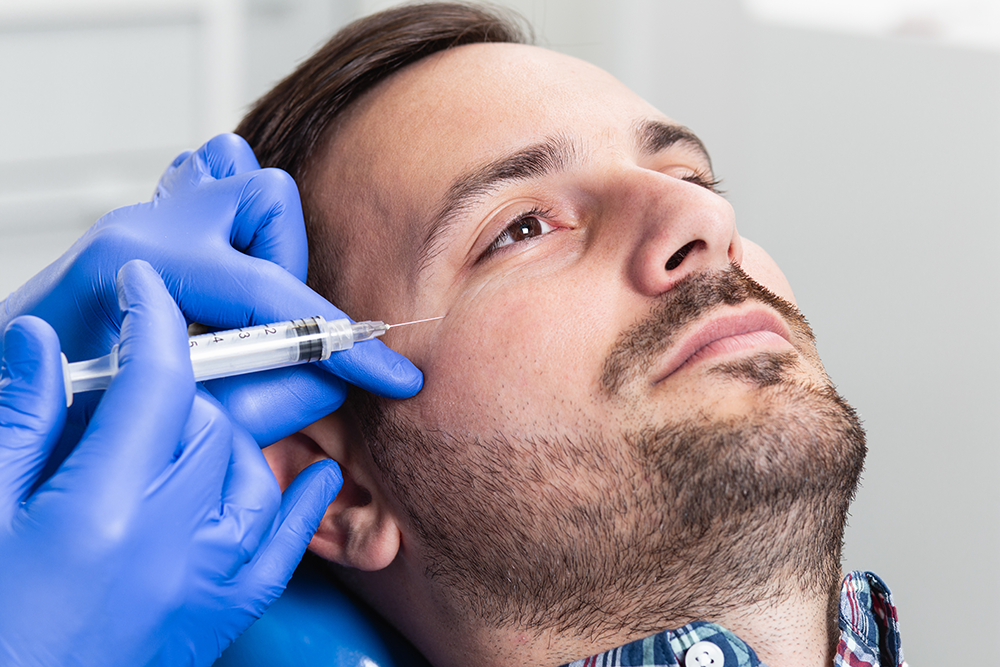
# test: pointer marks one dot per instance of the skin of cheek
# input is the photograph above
(524, 349)
(759, 265)
(521, 352)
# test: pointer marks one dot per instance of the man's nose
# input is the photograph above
(679, 228)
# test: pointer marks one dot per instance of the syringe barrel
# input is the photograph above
(239, 351)
(260, 348)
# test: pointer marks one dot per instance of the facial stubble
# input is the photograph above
(671, 520)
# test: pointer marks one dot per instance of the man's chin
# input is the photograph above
(781, 438)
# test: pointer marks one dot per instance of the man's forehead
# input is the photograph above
(481, 100)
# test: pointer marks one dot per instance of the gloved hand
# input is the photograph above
(229, 241)
(164, 534)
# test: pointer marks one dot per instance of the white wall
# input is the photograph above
(867, 166)
(100, 95)
(872, 177)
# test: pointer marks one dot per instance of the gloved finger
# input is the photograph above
(134, 432)
(230, 294)
(376, 368)
(32, 407)
(227, 155)
(303, 505)
(269, 223)
(235, 290)
(165, 177)
(273, 404)
(250, 500)
(180, 159)
(220, 157)
(203, 458)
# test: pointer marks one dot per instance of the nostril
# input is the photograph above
(679, 256)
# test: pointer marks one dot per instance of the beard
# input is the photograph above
(665, 519)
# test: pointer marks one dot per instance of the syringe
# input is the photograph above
(247, 350)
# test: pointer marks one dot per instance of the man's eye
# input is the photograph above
(705, 180)
(525, 226)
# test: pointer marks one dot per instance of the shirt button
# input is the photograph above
(704, 654)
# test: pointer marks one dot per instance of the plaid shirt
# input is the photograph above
(869, 637)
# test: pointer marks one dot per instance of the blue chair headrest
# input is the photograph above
(317, 623)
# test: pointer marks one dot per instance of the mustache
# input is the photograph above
(690, 300)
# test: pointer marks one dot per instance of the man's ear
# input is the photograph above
(359, 529)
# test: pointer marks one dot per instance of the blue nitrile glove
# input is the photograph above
(164, 534)
(229, 240)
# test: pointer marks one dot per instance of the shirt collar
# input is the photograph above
(869, 637)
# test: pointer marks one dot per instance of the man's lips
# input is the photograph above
(725, 334)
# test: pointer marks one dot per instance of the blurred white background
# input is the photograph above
(858, 140)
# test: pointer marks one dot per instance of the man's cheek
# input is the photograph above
(496, 383)
(759, 265)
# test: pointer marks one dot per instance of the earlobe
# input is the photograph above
(359, 530)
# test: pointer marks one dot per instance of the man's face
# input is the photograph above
(593, 327)
(537, 274)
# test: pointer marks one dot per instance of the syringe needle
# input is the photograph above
(403, 324)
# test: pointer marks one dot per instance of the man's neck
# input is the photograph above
(795, 632)
(791, 631)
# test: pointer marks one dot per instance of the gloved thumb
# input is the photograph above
(303, 505)
(32, 407)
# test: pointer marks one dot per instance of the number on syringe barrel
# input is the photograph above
(256, 348)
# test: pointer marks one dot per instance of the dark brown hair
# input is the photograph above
(288, 122)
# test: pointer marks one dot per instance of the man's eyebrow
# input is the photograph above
(534, 161)
(653, 136)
